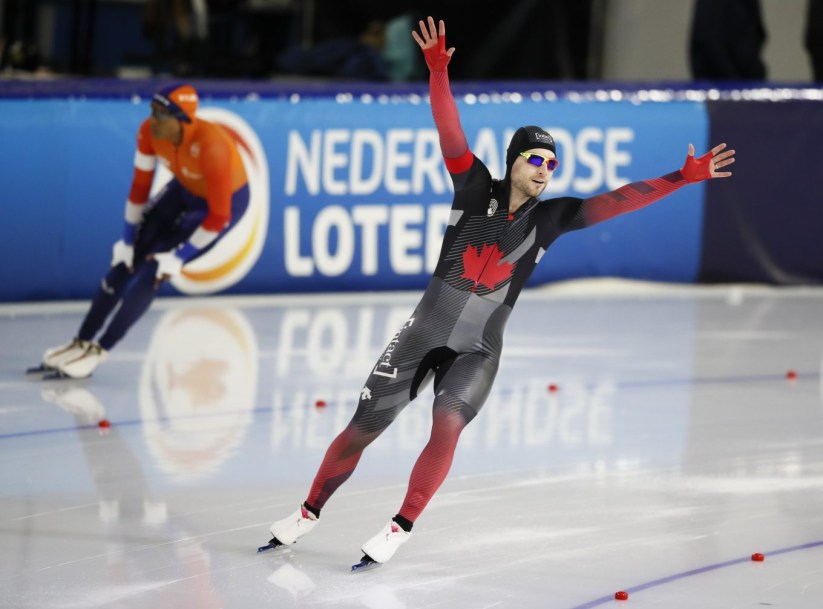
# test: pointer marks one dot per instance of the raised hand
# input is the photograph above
(706, 166)
(433, 44)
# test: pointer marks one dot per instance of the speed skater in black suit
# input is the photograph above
(497, 233)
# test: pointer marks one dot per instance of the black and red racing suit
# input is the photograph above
(455, 334)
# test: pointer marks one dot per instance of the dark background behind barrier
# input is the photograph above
(766, 224)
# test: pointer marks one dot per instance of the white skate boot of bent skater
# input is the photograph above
(83, 365)
(57, 355)
(382, 546)
(290, 529)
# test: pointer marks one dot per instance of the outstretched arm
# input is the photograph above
(639, 194)
(453, 142)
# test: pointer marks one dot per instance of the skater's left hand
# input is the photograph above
(706, 166)
(168, 265)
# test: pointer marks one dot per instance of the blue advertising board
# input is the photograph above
(351, 191)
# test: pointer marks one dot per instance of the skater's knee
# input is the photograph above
(452, 412)
(116, 278)
(144, 274)
(358, 440)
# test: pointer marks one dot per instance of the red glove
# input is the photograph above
(436, 57)
(697, 169)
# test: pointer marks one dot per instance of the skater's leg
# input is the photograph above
(462, 387)
(393, 383)
(103, 303)
(339, 463)
(161, 231)
(156, 228)
(108, 295)
(160, 235)
(395, 380)
(136, 299)
(450, 416)
(344, 454)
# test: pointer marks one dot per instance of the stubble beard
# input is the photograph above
(527, 188)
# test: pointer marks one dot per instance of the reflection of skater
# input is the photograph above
(117, 473)
(132, 514)
(498, 231)
(293, 580)
(206, 197)
(78, 401)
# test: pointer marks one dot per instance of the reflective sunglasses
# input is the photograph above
(537, 160)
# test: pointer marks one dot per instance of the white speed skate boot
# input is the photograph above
(85, 363)
(291, 528)
(55, 356)
(381, 547)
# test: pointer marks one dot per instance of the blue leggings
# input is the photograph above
(173, 217)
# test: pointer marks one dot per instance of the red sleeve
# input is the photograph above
(453, 142)
(627, 198)
(144, 161)
(215, 161)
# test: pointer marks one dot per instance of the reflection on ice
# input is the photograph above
(673, 442)
(198, 389)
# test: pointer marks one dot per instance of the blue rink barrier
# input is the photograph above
(349, 191)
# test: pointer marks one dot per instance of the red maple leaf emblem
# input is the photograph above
(486, 267)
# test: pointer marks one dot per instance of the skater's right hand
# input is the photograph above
(168, 265)
(122, 253)
(433, 44)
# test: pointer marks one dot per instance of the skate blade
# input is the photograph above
(45, 373)
(365, 564)
(56, 375)
(272, 545)
(39, 370)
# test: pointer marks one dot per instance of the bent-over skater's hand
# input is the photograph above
(169, 265)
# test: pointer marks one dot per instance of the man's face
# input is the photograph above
(527, 176)
(164, 126)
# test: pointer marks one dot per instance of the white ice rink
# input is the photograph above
(672, 450)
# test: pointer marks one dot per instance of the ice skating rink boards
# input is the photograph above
(672, 448)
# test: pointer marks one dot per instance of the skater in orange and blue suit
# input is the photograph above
(207, 195)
